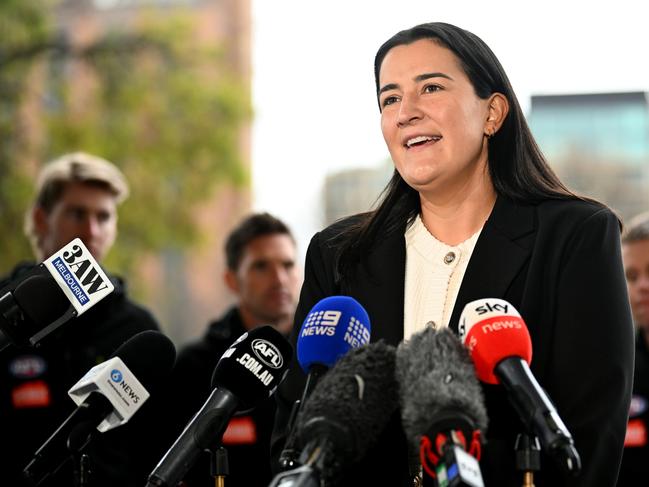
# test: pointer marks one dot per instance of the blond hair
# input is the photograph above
(636, 229)
(74, 167)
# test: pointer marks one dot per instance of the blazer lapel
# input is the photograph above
(380, 287)
(499, 254)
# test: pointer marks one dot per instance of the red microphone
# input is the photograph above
(492, 329)
(501, 348)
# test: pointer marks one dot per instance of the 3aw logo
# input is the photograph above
(79, 275)
(116, 376)
(80, 272)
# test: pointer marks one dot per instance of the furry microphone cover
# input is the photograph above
(436, 375)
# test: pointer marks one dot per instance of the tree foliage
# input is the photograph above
(164, 108)
(24, 33)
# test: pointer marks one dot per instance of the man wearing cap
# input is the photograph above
(76, 196)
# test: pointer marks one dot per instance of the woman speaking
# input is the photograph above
(474, 211)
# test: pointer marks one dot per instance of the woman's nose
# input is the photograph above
(409, 111)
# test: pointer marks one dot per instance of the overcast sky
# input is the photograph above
(313, 86)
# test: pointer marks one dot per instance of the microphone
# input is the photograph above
(333, 327)
(107, 396)
(442, 407)
(501, 348)
(344, 416)
(65, 285)
(247, 374)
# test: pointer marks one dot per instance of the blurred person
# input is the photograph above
(474, 211)
(76, 196)
(261, 272)
(635, 254)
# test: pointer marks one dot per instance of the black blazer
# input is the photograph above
(559, 264)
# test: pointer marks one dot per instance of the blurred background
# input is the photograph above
(215, 108)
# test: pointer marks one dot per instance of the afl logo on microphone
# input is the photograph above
(116, 376)
(267, 353)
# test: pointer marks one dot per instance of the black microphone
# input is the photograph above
(344, 416)
(442, 407)
(501, 349)
(247, 374)
(65, 285)
(107, 397)
(333, 327)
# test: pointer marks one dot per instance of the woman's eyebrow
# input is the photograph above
(419, 78)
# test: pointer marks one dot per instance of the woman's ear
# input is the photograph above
(498, 109)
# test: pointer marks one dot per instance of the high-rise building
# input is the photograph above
(354, 190)
(598, 144)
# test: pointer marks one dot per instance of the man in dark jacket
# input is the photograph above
(261, 272)
(635, 254)
(76, 196)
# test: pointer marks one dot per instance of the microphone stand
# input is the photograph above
(528, 457)
(51, 457)
(82, 471)
(78, 440)
(219, 466)
(289, 457)
(307, 474)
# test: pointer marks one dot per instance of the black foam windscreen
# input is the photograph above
(436, 376)
(150, 357)
(351, 404)
(254, 365)
(41, 299)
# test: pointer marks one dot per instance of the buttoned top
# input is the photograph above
(434, 272)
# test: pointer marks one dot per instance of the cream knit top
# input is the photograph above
(434, 273)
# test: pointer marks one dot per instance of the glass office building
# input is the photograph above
(598, 143)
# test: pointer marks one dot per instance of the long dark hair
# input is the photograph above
(517, 167)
